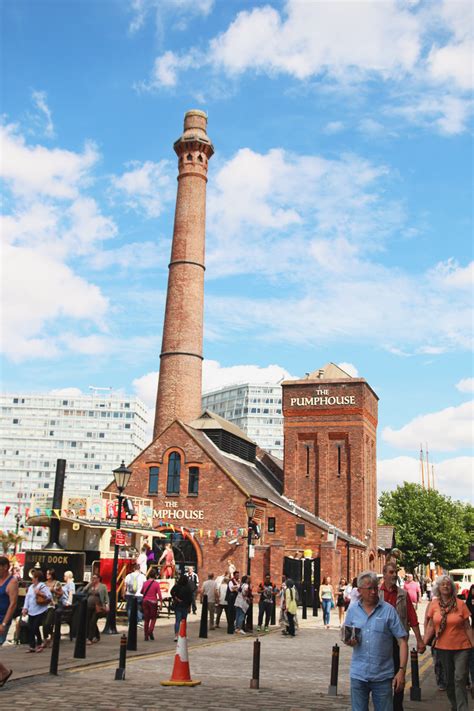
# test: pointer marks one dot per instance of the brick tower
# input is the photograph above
(180, 383)
(330, 424)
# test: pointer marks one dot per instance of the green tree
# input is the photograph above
(421, 517)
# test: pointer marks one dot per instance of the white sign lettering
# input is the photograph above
(323, 400)
(173, 513)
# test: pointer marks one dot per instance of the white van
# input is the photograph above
(463, 579)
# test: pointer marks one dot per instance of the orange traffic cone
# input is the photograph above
(181, 675)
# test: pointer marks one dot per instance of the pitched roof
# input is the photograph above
(330, 371)
(210, 421)
(258, 481)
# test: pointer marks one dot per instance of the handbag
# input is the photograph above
(41, 598)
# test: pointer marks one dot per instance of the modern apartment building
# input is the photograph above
(93, 433)
(256, 409)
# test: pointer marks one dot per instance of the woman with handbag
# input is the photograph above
(97, 606)
(152, 598)
(37, 600)
(55, 588)
(448, 622)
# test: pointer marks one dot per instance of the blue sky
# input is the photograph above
(339, 200)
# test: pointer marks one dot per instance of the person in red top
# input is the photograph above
(448, 622)
(413, 589)
(152, 597)
(400, 600)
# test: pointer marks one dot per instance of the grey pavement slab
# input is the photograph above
(294, 676)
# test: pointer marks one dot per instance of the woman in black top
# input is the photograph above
(182, 598)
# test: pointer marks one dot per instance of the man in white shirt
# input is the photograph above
(133, 586)
(209, 588)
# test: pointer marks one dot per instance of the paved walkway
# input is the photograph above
(295, 674)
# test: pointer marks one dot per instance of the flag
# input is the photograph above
(7, 509)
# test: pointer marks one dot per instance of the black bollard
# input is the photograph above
(315, 600)
(332, 691)
(273, 613)
(304, 605)
(120, 671)
(132, 625)
(81, 634)
(415, 690)
(53, 664)
(203, 625)
(230, 612)
(255, 680)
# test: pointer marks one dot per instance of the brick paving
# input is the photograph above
(294, 674)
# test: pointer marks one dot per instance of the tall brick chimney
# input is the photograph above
(180, 383)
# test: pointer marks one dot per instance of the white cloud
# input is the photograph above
(452, 477)
(50, 221)
(183, 11)
(346, 44)
(350, 369)
(215, 376)
(147, 187)
(333, 127)
(40, 101)
(466, 385)
(38, 290)
(31, 171)
(444, 431)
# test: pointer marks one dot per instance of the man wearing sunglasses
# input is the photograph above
(372, 669)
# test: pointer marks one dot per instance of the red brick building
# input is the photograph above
(200, 470)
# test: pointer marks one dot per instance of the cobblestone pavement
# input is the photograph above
(294, 676)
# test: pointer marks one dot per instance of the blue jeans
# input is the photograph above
(381, 695)
(180, 613)
(326, 611)
(128, 601)
(239, 618)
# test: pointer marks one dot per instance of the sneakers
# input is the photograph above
(152, 637)
(265, 629)
(259, 629)
(242, 632)
(175, 639)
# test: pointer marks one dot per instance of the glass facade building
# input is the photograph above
(93, 433)
(256, 409)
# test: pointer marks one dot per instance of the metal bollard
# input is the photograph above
(80, 646)
(315, 601)
(304, 605)
(415, 690)
(203, 625)
(132, 625)
(273, 614)
(255, 680)
(332, 691)
(120, 671)
(53, 664)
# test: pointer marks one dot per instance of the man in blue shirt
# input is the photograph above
(372, 670)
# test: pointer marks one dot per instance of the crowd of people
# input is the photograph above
(375, 616)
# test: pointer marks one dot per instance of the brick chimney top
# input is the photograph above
(195, 131)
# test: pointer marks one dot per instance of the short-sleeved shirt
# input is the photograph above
(390, 596)
(209, 588)
(413, 590)
(454, 635)
(372, 659)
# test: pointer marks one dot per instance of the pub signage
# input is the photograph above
(322, 397)
(171, 511)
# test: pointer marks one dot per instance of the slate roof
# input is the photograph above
(258, 481)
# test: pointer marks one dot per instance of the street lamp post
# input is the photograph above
(17, 528)
(122, 477)
(250, 508)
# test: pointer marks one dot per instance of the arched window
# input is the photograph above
(153, 474)
(193, 481)
(174, 473)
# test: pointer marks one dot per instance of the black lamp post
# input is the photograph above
(122, 477)
(250, 507)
